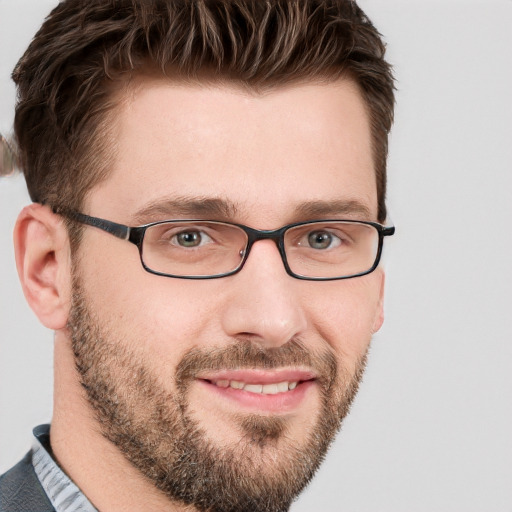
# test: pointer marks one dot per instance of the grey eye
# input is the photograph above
(189, 238)
(321, 240)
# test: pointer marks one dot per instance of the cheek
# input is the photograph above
(345, 316)
(180, 316)
(153, 315)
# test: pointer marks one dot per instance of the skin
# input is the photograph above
(267, 155)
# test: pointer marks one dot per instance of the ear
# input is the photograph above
(379, 311)
(44, 264)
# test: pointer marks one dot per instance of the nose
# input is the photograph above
(264, 303)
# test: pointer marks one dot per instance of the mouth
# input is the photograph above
(262, 390)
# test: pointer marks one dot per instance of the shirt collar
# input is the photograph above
(64, 495)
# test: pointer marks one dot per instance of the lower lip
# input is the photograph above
(280, 402)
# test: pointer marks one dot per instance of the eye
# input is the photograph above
(191, 239)
(323, 240)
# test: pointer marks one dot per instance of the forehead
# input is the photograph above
(265, 153)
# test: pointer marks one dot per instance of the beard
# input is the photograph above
(264, 468)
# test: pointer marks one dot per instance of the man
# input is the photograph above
(208, 182)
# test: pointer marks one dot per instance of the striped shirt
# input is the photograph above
(64, 495)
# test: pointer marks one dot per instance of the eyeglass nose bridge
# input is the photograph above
(256, 235)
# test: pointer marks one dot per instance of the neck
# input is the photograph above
(94, 464)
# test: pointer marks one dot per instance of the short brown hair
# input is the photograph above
(86, 49)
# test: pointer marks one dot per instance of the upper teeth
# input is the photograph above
(266, 389)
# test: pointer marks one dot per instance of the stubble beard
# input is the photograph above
(263, 470)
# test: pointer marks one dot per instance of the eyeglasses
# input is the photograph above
(319, 250)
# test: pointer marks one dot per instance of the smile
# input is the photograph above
(264, 389)
(271, 391)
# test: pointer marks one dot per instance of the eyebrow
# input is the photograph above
(190, 207)
(334, 208)
(223, 209)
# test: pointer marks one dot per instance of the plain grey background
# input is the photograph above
(431, 429)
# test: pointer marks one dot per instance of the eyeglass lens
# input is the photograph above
(319, 250)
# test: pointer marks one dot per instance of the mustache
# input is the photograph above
(244, 354)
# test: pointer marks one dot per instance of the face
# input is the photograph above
(226, 393)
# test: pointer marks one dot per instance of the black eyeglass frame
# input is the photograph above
(135, 235)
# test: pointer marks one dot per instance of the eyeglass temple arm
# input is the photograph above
(118, 230)
(124, 232)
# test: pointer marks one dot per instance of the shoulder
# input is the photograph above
(20, 490)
